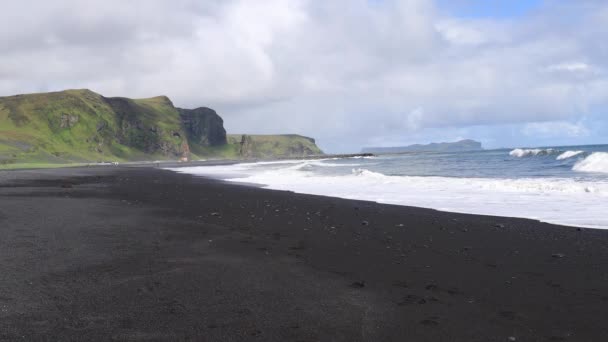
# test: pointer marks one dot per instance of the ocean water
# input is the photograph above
(562, 185)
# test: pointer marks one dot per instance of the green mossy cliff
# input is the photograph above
(273, 146)
(83, 126)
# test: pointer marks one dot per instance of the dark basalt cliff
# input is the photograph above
(203, 126)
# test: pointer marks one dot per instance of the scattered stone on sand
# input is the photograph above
(453, 291)
(358, 284)
(178, 241)
(510, 315)
(409, 299)
(429, 321)
(255, 333)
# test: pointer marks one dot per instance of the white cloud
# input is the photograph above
(556, 129)
(345, 72)
(414, 119)
(570, 67)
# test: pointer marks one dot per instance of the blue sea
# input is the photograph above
(561, 184)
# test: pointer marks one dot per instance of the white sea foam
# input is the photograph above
(363, 157)
(555, 200)
(522, 152)
(596, 162)
(569, 154)
(336, 164)
(367, 173)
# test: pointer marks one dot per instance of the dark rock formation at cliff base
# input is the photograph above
(203, 126)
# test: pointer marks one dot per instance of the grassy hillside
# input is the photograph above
(273, 146)
(80, 126)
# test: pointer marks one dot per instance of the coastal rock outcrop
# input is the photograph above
(83, 126)
(141, 125)
(273, 146)
(203, 126)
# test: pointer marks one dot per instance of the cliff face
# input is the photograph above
(203, 126)
(82, 126)
(273, 146)
(151, 126)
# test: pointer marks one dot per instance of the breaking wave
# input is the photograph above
(534, 152)
(569, 154)
(524, 185)
(368, 173)
(565, 196)
(596, 162)
(523, 152)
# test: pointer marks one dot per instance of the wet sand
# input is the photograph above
(119, 253)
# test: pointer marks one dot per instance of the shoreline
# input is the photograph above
(546, 210)
(221, 178)
(141, 253)
(176, 163)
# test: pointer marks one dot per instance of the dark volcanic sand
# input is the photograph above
(144, 254)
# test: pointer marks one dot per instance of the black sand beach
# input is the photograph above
(117, 253)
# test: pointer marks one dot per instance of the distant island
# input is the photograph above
(82, 126)
(458, 146)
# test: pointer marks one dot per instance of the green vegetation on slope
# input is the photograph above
(226, 151)
(81, 126)
(273, 146)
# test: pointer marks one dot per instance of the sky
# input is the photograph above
(350, 73)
